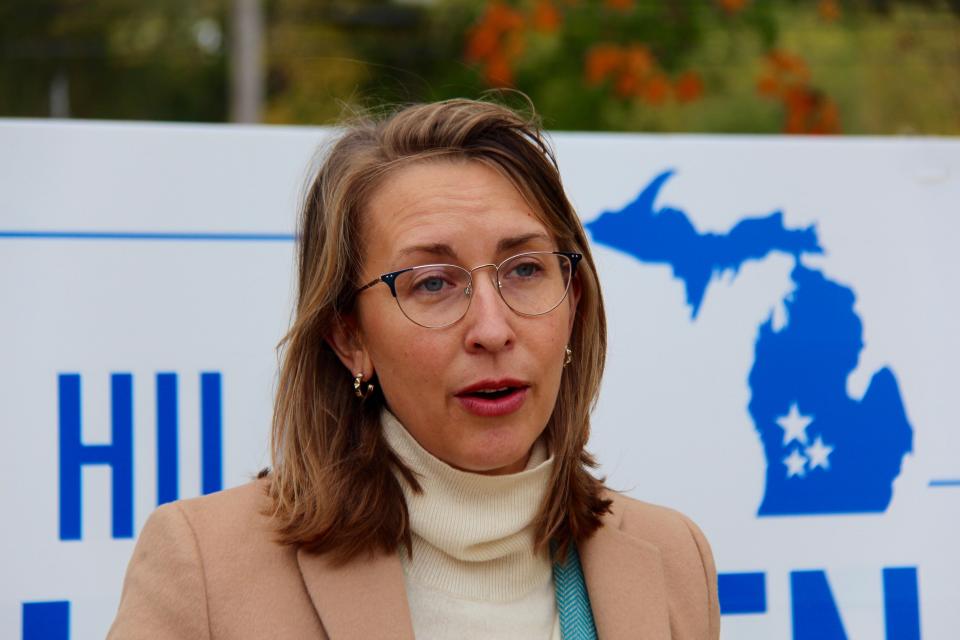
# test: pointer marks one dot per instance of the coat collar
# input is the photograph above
(366, 598)
(625, 582)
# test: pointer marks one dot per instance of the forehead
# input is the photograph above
(465, 206)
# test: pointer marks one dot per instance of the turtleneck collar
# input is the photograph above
(472, 534)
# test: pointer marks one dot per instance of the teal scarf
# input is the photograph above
(573, 602)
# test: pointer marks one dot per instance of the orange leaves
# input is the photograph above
(629, 67)
(599, 52)
(786, 63)
(623, 6)
(496, 42)
(500, 16)
(782, 71)
(810, 111)
(634, 73)
(482, 44)
(638, 60)
(602, 61)
(657, 89)
(768, 86)
(732, 6)
(829, 10)
(499, 40)
(689, 87)
(546, 17)
(787, 78)
(498, 71)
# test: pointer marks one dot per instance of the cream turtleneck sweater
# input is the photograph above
(473, 574)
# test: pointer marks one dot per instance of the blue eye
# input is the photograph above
(526, 270)
(433, 285)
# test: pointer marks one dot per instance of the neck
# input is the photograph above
(473, 534)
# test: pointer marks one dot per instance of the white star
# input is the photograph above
(819, 454)
(794, 425)
(795, 464)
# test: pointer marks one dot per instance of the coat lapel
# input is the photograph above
(625, 582)
(365, 598)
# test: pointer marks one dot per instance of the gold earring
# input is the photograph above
(362, 393)
(569, 357)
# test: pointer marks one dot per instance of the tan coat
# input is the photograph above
(209, 568)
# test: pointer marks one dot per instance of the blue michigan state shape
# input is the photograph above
(826, 452)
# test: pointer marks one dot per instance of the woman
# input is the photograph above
(429, 474)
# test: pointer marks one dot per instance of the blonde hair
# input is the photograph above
(332, 484)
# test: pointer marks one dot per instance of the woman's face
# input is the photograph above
(467, 214)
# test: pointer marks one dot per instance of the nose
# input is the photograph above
(489, 320)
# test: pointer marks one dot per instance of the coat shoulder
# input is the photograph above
(235, 532)
(661, 526)
(243, 581)
(243, 509)
(689, 570)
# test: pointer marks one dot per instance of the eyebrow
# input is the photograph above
(505, 244)
(518, 241)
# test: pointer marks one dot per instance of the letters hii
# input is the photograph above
(118, 454)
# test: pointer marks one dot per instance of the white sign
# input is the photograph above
(782, 367)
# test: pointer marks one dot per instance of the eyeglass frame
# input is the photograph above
(390, 279)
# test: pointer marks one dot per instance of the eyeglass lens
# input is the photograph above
(438, 295)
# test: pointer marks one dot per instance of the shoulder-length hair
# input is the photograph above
(334, 485)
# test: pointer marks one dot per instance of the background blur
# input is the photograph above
(725, 66)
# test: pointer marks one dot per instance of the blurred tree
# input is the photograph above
(681, 64)
(124, 59)
(755, 66)
(324, 57)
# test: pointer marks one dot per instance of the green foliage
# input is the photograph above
(863, 66)
(121, 59)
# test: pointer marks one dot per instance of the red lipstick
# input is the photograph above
(491, 398)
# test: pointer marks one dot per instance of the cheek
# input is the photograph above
(546, 343)
(410, 362)
(560, 340)
(560, 329)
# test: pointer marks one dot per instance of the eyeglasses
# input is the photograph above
(438, 295)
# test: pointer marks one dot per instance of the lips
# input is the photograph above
(490, 398)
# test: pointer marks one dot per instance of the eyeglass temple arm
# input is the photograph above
(368, 285)
(574, 259)
(389, 279)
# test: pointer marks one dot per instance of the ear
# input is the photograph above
(346, 341)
